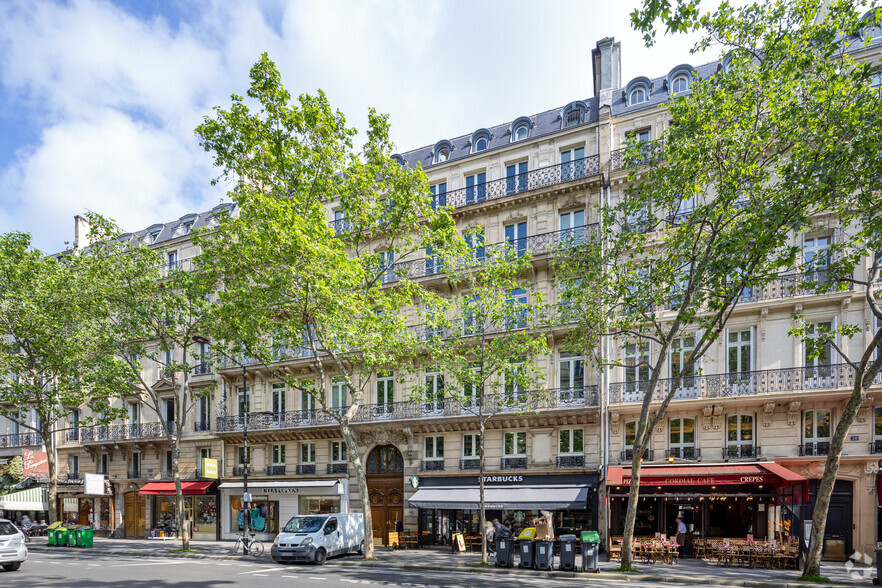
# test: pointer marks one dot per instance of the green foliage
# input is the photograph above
(814, 578)
(11, 474)
(680, 17)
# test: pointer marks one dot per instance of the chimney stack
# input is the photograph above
(606, 60)
(81, 233)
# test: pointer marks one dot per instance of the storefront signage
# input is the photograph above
(291, 490)
(35, 464)
(503, 479)
(93, 484)
(702, 480)
(209, 468)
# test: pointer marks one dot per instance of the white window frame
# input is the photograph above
(385, 392)
(103, 464)
(434, 380)
(387, 261)
(815, 412)
(638, 354)
(517, 437)
(73, 464)
(277, 454)
(279, 391)
(471, 446)
(338, 452)
(309, 450)
(433, 447)
(739, 441)
(307, 400)
(812, 249)
(644, 96)
(681, 446)
(570, 435)
(338, 393)
(683, 78)
(516, 135)
(442, 155)
(478, 149)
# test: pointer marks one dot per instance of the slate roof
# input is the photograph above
(177, 228)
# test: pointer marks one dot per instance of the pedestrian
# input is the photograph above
(399, 526)
(680, 537)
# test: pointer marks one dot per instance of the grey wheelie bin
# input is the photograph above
(567, 553)
(504, 552)
(590, 548)
(544, 554)
(526, 552)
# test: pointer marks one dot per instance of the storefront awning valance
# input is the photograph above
(30, 499)
(711, 475)
(168, 488)
(551, 498)
(256, 487)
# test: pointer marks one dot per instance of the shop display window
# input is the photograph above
(103, 514)
(264, 515)
(319, 504)
(206, 514)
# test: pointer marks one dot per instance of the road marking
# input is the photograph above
(317, 578)
(262, 575)
(150, 563)
(296, 577)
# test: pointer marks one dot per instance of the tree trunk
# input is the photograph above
(52, 486)
(633, 498)
(183, 522)
(483, 517)
(828, 480)
(361, 480)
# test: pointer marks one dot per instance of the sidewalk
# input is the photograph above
(689, 571)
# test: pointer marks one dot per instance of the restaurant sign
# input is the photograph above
(727, 480)
(35, 464)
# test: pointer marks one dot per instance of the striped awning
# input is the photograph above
(30, 499)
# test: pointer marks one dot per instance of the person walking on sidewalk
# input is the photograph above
(680, 537)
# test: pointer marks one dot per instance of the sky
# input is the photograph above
(99, 99)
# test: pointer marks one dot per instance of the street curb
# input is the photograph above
(462, 567)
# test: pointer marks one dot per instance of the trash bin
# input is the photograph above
(61, 537)
(504, 555)
(71, 537)
(50, 533)
(878, 577)
(526, 552)
(567, 553)
(590, 549)
(85, 537)
(544, 554)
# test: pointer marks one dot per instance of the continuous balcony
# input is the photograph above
(470, 464)
(684, 453)
(281, 354)
(570, 461)
(21, 440)
(432, 465)
(627, 455)
(742, 452)
(649, 152)
(765, 382)
(134, 432)
(526, 402)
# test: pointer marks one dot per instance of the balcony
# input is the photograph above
(514, 463)
(275, 470)
(817, 448)
(534, 244)
(306, 469)
(627, 455)
(526, 402)
(73, 477)
(686, 453)
(21, 440)
(337, 468)
(202, 426)
(570, 461)
(758, 383)
(73, 435)
(432, 465)
(133, 475)
(875, 447)
(239, 470)
(470, 464)
(134, 431)
(202, 368)
(788, 286)
(282, 354)
(742, 452)
(649, 151)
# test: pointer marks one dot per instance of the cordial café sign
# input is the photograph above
(648, 480)
(503, 479)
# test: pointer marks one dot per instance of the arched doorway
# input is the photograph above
(385, 481)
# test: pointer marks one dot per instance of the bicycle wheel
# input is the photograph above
(237, 546)
(256, 548)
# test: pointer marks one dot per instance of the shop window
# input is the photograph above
(314, 505)
(739, 437)
(682, 438)
(876, 445)
(434, 447)
(817, 425)
(278, 398)
(264, 515)
(338, 452)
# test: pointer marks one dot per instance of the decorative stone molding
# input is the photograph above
(793, 412)
(797, 311)
(615, 419)
(764, 314)
(707, 413)
(717, 420)
(872, 468)
(384, 437)
(768, 413)
(864, 410)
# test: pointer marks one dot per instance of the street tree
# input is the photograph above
(291, 285)
(53, 352)
(751, 155)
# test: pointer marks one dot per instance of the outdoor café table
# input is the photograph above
(725, 555)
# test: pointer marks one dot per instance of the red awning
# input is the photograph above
(712, 475)
(168, 488)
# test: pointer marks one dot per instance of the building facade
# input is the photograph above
(744, 438)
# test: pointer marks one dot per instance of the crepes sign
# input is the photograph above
(35, 464)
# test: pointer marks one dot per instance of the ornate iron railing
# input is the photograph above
(526, 401)
(628, 454)
(570, 461)
(305, 469)
(338, 468)
(202, 426)
(742, 452)
(73, 477)
(240, 470)
(470, 464)
(202, 368)
(822, 377)
(281, 354)
(812, 449)
(73, 435)
(122, 432)
(275, 470)
(432, 465)
(649, 152)
(133, 475)
(21, 440)
(514, 463)
(691, 453)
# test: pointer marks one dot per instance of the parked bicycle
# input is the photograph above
(249, 546)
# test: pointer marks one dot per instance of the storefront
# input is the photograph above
(274, 503)
(32, 502)
(75, 507)
(760, 500)
(200, 505)
(452, 504)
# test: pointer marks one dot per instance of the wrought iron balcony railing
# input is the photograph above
(202, 426)
(275, 470)
(432, 465)
(527, 401)
(742, 452)
(337, 468)
(514, 463)
(240, 470)
(305, 469)
(801, 379)
(73, 435)
(628, 455)
(570, 461)
(21, 440)
(690, 453)
(649, 152)
(123, 432)
(815, 448)
(202, 368)
(281, 354)
(73, 477)
(133, 474)
(470, 464)
(875, 447)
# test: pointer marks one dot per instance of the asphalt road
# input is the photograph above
(63, 570)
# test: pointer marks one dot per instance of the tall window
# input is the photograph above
(819, 365)
(572, 164)
(739, 348)
(636, 366)
(240, 457)
(204, 422)
(679, 354)
(517, 301)
(572, 226)
(278, 457)
(385, 389)
(73, 465)
(169, 459)
(816, 252)
(516, 178)
(172, 260)
(243, 401)
(570, 441)
(307, 453)
(135, 465)
(876, 448)
(471, 446)
(387, 260)
(103, 466)
(515, 444)
(434, 391)
(473, 389)
(637, 96)
(134, 413)
(338, 452)
(439, 194)
(475, 241)
(739, 436)
(516, 237)
(521, 133)
(434, 262)
(571, 378)
(307, 398)
(435, 447)
(278, 398)
(816, 432)
(338, 393)
(514, 391)
(74, 421)
(682, 438)
(476, 188)
(204, 453)
(629, 440)
(169, 410)
(340, 224)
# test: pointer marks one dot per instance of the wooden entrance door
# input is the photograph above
(134, 515)
(385, 481)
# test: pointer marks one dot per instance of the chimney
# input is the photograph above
(606, 60)
(81, 233)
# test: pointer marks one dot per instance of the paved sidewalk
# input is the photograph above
(689, 571)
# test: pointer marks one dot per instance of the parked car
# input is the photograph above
(13, 551)
(314, 538)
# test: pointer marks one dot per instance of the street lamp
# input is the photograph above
(246, 497)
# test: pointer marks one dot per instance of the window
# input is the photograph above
(517, 301)
(476, 188)
(679, 354)
(637, 96)
(387, 260)
(331, 526)
(473, 387)
(203, 355)
(572, 164)
(169, 410)
(682, 438)
(172, 260)
(630, 440)
(74, 420)
(520, 133)
(516, 178)
(338, 393)
(278, 452)
(307, 453)
(740, 356)
(515, 444)
(572, 118)
(340, 224)
(876, 448)
(516, 237)
(385, 388)
(169, 462)
(243, 401)
(571, 378)
(819, 365)
(434, 391)
(816, 432)
(435, 447)
(240, 456)
(570, 441)
(480, 144)
(568, 299)
(680, 84)
(204, 453)
(642, 136)
(135, 465)
(204, 416)
(816, 253)
(103, 467)
(134, 413)
(307, 398)
(434, 263)
(338, 452)
(73, 464)
(439, 195)
(442, 155)
(471, 446)
(572, 226)
(514, 391)
(636, 367)
(475, 241)
(739, 436)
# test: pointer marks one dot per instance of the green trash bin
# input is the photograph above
(85, 537)
(61, 539)
(71, 537)
(590, 537)
(52, 539)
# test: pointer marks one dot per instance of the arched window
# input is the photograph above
(480, 140)
(443, 155)
(481, 144)
(680, 84)
(520, 133)
(520, 128)
(442, 151)
(637, 96)
(385, 460)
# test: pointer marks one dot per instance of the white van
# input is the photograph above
(314, 538)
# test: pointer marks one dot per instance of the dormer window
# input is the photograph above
(573, 114)
(520, 133)
(680, 84)
(481, 144)
(520, 128)
(442, 151)
(153, 237)
(480, 140)
(637, 96)
(443, 155)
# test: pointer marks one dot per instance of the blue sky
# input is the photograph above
(99, 99)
